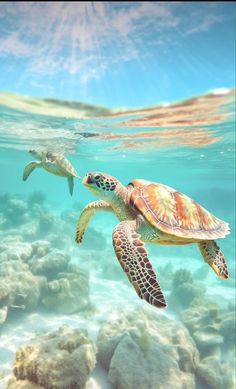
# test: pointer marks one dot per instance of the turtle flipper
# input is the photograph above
(133, 258)
(213, 255)
(86, 215)
(29, 168)
(70, 181)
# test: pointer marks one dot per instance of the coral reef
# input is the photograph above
(131, 368)
(35, 272)
(227, 328)
(19, 288)
(59, 360)
(214, 374)
(13, 248)
(68, 293)
(213, 329)
(50, 264)
(41, 248)
(36, 221)
(141, 349)
(184, 290)
(13, 209)
(46, 223)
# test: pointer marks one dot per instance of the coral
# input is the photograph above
(59, 360)
(19, 288)
(187, 360)
(180, 277)
(208, 341)
(14, 250)
(208, 336)
(41, 248)
(214, 374)
(141, 349)
(184, 290)
(46, 223)
(130, 368)
(23, 384)
(227, 328)
(14, 210)
(142, 338)
(51, 264)
(201, 314)
(212, 328)
(67, 294)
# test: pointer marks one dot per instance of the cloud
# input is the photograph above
(205, 22)
(85, 38)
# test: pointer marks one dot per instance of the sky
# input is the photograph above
(118, 54)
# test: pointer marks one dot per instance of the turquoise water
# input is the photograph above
(188, 145)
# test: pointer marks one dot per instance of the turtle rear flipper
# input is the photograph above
(29, 168)
(213, 255)
(70, 181)
(133, 258)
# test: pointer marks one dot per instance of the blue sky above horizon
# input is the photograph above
(119, 54)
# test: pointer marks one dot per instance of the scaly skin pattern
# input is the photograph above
(133, 258)
(214, 257)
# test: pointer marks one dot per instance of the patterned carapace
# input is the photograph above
(175, 213)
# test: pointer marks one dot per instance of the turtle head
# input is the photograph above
(101, 184)
(36, 154)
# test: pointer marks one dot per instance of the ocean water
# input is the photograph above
(47, 280)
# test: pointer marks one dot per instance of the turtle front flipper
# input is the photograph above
(70, 181)
(213, 255)
(29, 168)
(86, 215)
(133, 258)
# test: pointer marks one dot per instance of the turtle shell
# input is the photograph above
(173, 212)
(65, 165)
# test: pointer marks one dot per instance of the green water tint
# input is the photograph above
(47, 280)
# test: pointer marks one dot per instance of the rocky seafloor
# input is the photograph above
(70, 319)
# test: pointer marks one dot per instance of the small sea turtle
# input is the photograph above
(54, 163)
(152, 212)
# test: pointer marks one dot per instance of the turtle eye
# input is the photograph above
(96, 177)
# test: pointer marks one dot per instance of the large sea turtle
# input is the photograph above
(152, 212)
(54, 163)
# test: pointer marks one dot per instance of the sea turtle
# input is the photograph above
(54, 163)
(152, 212)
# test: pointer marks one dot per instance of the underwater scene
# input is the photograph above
(68, 311)
(141, 293)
